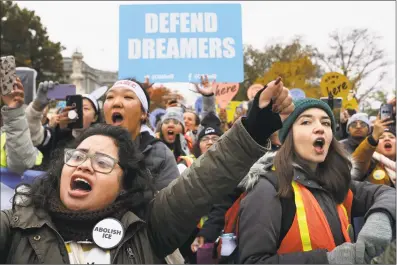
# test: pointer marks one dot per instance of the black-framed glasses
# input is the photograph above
(100, 162)
(206, 139)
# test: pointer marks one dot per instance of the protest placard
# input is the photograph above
(181, 42)
(339, 86)
(225, 92)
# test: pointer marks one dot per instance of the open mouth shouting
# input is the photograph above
(388, 147)
(170, 135)
(117, 118)
(319, 145)
(80, 186)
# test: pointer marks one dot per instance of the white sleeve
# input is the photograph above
(181, 168)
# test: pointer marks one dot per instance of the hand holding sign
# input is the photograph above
(225, 92)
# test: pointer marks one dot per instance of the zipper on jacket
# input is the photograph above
(131, 255)
(123, 242)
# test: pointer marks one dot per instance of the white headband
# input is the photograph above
(137, 89)
(93, 100)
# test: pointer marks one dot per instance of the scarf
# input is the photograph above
(390, 165)
(77, 226)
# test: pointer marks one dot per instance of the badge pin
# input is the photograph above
(379, 174)
(108, 233)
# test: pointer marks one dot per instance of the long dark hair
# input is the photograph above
(333, 174)
(137, 181)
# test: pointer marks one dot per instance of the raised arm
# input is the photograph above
(20, 154)
(207, 92)
(216, 173)
(34, 113)
(363, 154)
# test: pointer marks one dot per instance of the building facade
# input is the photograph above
(86, 78)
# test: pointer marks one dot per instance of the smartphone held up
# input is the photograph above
(7, 74)
(386, 111)
(76, 114)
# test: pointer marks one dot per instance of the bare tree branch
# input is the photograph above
(373, 88)
(357, 55)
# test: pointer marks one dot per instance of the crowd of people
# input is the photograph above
(282, 183)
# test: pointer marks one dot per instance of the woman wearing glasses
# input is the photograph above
(96, 205)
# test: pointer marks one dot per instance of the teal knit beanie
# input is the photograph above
(302, 105)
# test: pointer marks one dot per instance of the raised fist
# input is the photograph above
(282, 100)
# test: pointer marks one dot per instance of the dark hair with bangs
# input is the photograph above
(136, 180)
(333, 174)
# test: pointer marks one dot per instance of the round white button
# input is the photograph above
(72, 115)
(108, 233)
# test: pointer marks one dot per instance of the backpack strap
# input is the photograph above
(287, 205)
(288, 214)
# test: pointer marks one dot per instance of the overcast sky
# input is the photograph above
(92, 27)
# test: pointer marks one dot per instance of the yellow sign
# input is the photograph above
(230, 109)
(336, 84)
(351, 102)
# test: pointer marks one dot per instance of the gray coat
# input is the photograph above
(159, 160)
(20, 152)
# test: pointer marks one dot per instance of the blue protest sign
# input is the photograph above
(181, 42)
(297, 93)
